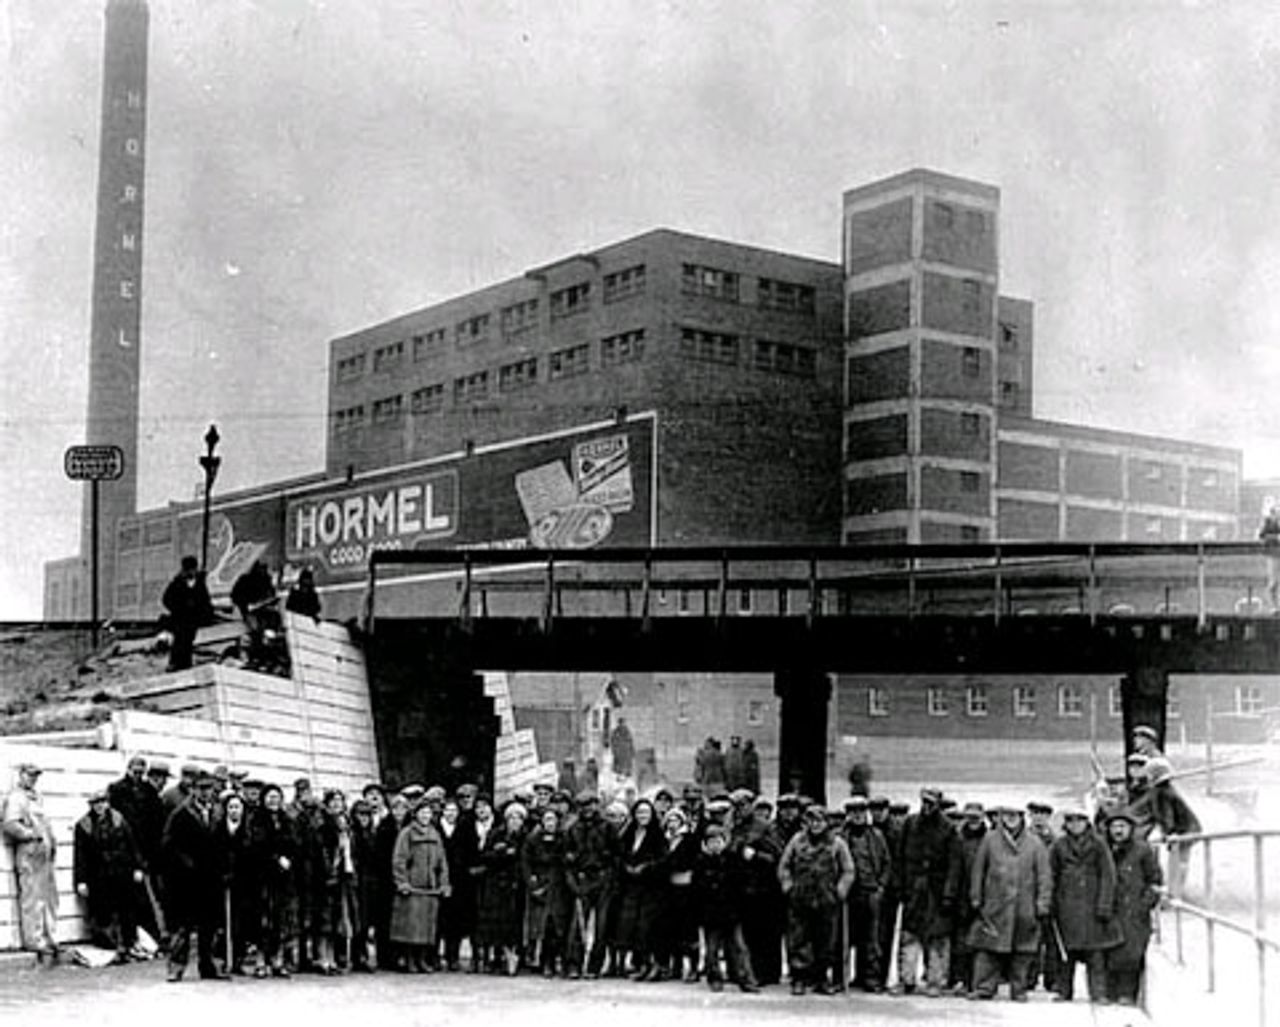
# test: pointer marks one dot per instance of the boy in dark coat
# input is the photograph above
(718, 894)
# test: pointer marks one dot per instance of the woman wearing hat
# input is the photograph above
(676, 925)
(335, 912)
(640, 881)
(275, 854)
(1138, 881)
(421, 873)
(234, 844)
(500, 895)
(547, 898)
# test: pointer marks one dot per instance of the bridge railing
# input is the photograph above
(1221, 886)
(1163, 580)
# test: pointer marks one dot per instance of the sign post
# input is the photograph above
(93, 464)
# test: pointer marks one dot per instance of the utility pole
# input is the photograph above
(210, 464)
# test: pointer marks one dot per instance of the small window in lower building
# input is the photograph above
(936, 700)
(976, 701)
(744, 600)
(1024, 701)
(755, 712)
(877, 702)
(1115, 701)
(1070, 701)
(1172, 704)
(1249, 700)
(682, 712)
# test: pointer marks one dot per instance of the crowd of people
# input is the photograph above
(700, 886)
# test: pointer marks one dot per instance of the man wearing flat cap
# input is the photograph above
(1084, 880)
(973, 828)
(29, 832)
(1011, 890)
(588, 861)
(870, 854)
(1046, 967)
(929, 867)
(1145, 741)
(106, 869)
(178, 793)
(1138, 881)
(816, 873)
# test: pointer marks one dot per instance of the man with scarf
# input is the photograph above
(1010, 891)
(816, 872)
(1084, 884)
(870, 853)
(106, 867)
(27, 829)
(929, 866)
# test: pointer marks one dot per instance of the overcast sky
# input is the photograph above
(313, 168)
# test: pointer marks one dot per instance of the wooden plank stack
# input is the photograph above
(317, 724)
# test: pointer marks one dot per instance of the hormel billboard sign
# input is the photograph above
(571, 490)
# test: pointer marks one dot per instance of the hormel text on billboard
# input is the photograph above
(341, 531)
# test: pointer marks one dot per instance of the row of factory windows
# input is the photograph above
(1070, 701)
(627, 347)
(771, 294)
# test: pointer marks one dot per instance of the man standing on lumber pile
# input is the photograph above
(28, 830)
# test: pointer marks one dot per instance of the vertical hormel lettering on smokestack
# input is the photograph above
(115, 341)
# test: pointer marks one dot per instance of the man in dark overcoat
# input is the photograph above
(1084, 881)
(193, 881)
(929, 867)
(107, 870)
(1138, 881)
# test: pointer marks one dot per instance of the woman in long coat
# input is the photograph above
(458, 910)
(274, 855)
(547, 898)
(421, 873)
(499, 913)
(1011, 889)
(639, 885)
(1084, 881)
(335, 911)
(676, 926)
(1138, 880)
(237, 860)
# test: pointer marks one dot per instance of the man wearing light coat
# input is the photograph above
(28, 830)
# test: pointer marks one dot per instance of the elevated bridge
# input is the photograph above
(1135, 610)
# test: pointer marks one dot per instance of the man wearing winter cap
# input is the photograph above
(816, 873)
(29, 831)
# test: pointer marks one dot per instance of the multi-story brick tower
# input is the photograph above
(921, 269)
(115, 338)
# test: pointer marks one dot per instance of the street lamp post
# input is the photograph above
(210, 463)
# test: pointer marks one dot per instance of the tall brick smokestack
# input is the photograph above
(115, 340)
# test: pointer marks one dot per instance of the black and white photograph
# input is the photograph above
(618, 510)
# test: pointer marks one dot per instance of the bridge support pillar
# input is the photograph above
(802, 731)
(1144, 695)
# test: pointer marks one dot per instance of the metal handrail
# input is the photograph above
(1179, 846)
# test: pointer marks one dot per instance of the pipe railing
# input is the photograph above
(1179, 847)
(1188, 582)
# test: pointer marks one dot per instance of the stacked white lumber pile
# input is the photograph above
(515, 761)
(70, 776)
(319, 724)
